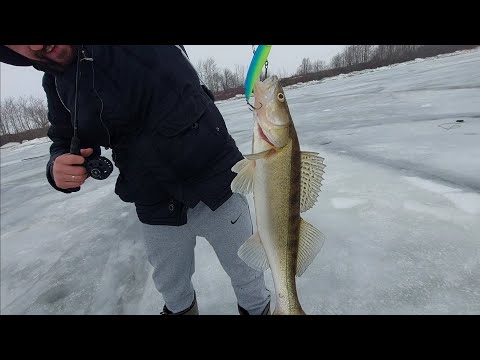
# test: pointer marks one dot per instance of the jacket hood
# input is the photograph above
(10, 57)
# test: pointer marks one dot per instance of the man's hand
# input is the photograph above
(67, 170)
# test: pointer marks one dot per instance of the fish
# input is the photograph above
(285, 182)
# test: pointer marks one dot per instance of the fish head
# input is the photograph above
(271, 112)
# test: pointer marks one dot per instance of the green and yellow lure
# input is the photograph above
(258, 61)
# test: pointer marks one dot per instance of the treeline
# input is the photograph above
(25, 118)
(352, 58)
(362, 57)
(218, 79)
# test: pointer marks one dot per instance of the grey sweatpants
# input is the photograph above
(170, 250)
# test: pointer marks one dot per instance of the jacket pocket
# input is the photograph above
(170, 212)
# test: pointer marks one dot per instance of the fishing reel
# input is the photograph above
(98, 167)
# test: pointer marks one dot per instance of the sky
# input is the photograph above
(20, 81)
(399, 207)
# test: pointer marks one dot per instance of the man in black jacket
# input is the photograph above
(171, 146)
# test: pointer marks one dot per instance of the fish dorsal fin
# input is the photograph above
(311, 179)
(311, 241)
(253, 253)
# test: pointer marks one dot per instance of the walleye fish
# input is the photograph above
(285, 182)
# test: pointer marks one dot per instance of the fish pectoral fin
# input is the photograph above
(253, 253)
(258, 156)
(311, 179)
(311, 241)
(243, 182)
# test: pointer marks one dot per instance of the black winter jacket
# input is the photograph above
(168, 139)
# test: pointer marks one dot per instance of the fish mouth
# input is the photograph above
(261, 132)
(267, 136)
(263, 136)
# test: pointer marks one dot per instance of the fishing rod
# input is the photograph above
(98, 167)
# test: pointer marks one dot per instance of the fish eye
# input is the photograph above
(281, 97)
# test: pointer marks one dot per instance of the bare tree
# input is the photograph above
(216, 82)
(336, 61)
(352, 55)
(385, 52)
(207, 70)
(200, 70)
(7, 109)
(239, 75)
(38, 112)
(228, 79)
(365, 53)
(15, 115)
(23, 114)
(3, 129)
(318, 65)
(305, 67)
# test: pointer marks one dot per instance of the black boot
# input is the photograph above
(265, 311)
(191, 310)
